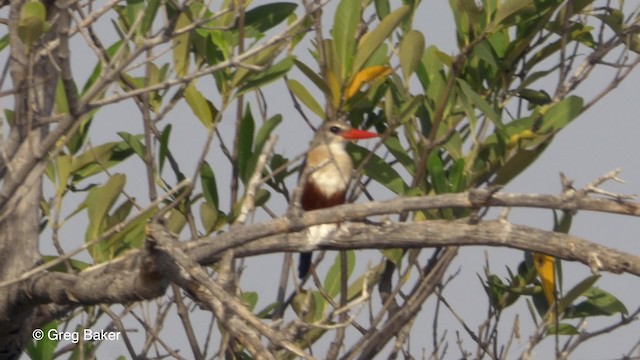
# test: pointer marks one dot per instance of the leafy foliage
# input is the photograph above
(448, 123)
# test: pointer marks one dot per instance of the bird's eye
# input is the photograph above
(334, 129)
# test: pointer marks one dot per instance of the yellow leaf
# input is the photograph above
(545, 266)
(367, 75)
(523, 135)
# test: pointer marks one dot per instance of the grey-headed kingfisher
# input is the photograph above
(328, 169)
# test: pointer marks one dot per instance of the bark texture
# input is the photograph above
(21, 167)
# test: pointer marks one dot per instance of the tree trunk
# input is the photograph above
(34, 81)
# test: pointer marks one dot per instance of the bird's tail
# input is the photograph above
(304, 265)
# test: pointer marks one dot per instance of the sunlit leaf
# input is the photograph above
(181, 46)
(393, 255)
(63, 167)
(249, 299)
(510, 8)
(134, 142)
(208, 217)
(382, 8)
(561, 114)
(578, 290)
(201, 107)
(411, 51)
(32, 23)
(345, 26)
(99, 158)
(271, 73)
(305, 97)
(98, 202)
(598, 303)
(371, 41)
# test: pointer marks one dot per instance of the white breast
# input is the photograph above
(333, 173)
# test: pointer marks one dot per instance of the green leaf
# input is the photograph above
(510, 8)
(436, 173)
(265, 131)
(561, 114)
(164, 147)
(262, 58)
(382, 8)
(32, 22)
(134, 142)
(370, 277)
(98, 202)
(517, 164)
(120, 214)
(334, 276)
(304, 303)
(76, 265)
(209, 187)
(393, 255)
(208, 217)
(45, 348)
(181, 46)
(4, 42)
(149, 16)
(379, 170)
(307, 99)
(130, 237)
(272, 73)
(536, 97)
(411, 51)
(266, 312)
(245, 144)
(400, 153)
(313, 76)
(562, 329)
(201, 107)
(63, 167)
(371, 41)
(481, 103)
(176, 221)
(97, 159)
(262, 196)
(599, 302)
(249, 299)
(134, 8)
(578, 290)
(264, 17)
(345, 26)
(97, 70)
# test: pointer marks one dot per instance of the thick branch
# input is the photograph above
(128, 277)
(445, 233)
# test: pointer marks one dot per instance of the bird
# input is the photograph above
(326, 173)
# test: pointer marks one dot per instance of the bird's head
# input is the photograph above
(338, 132)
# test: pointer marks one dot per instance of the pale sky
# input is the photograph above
(597, 142)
